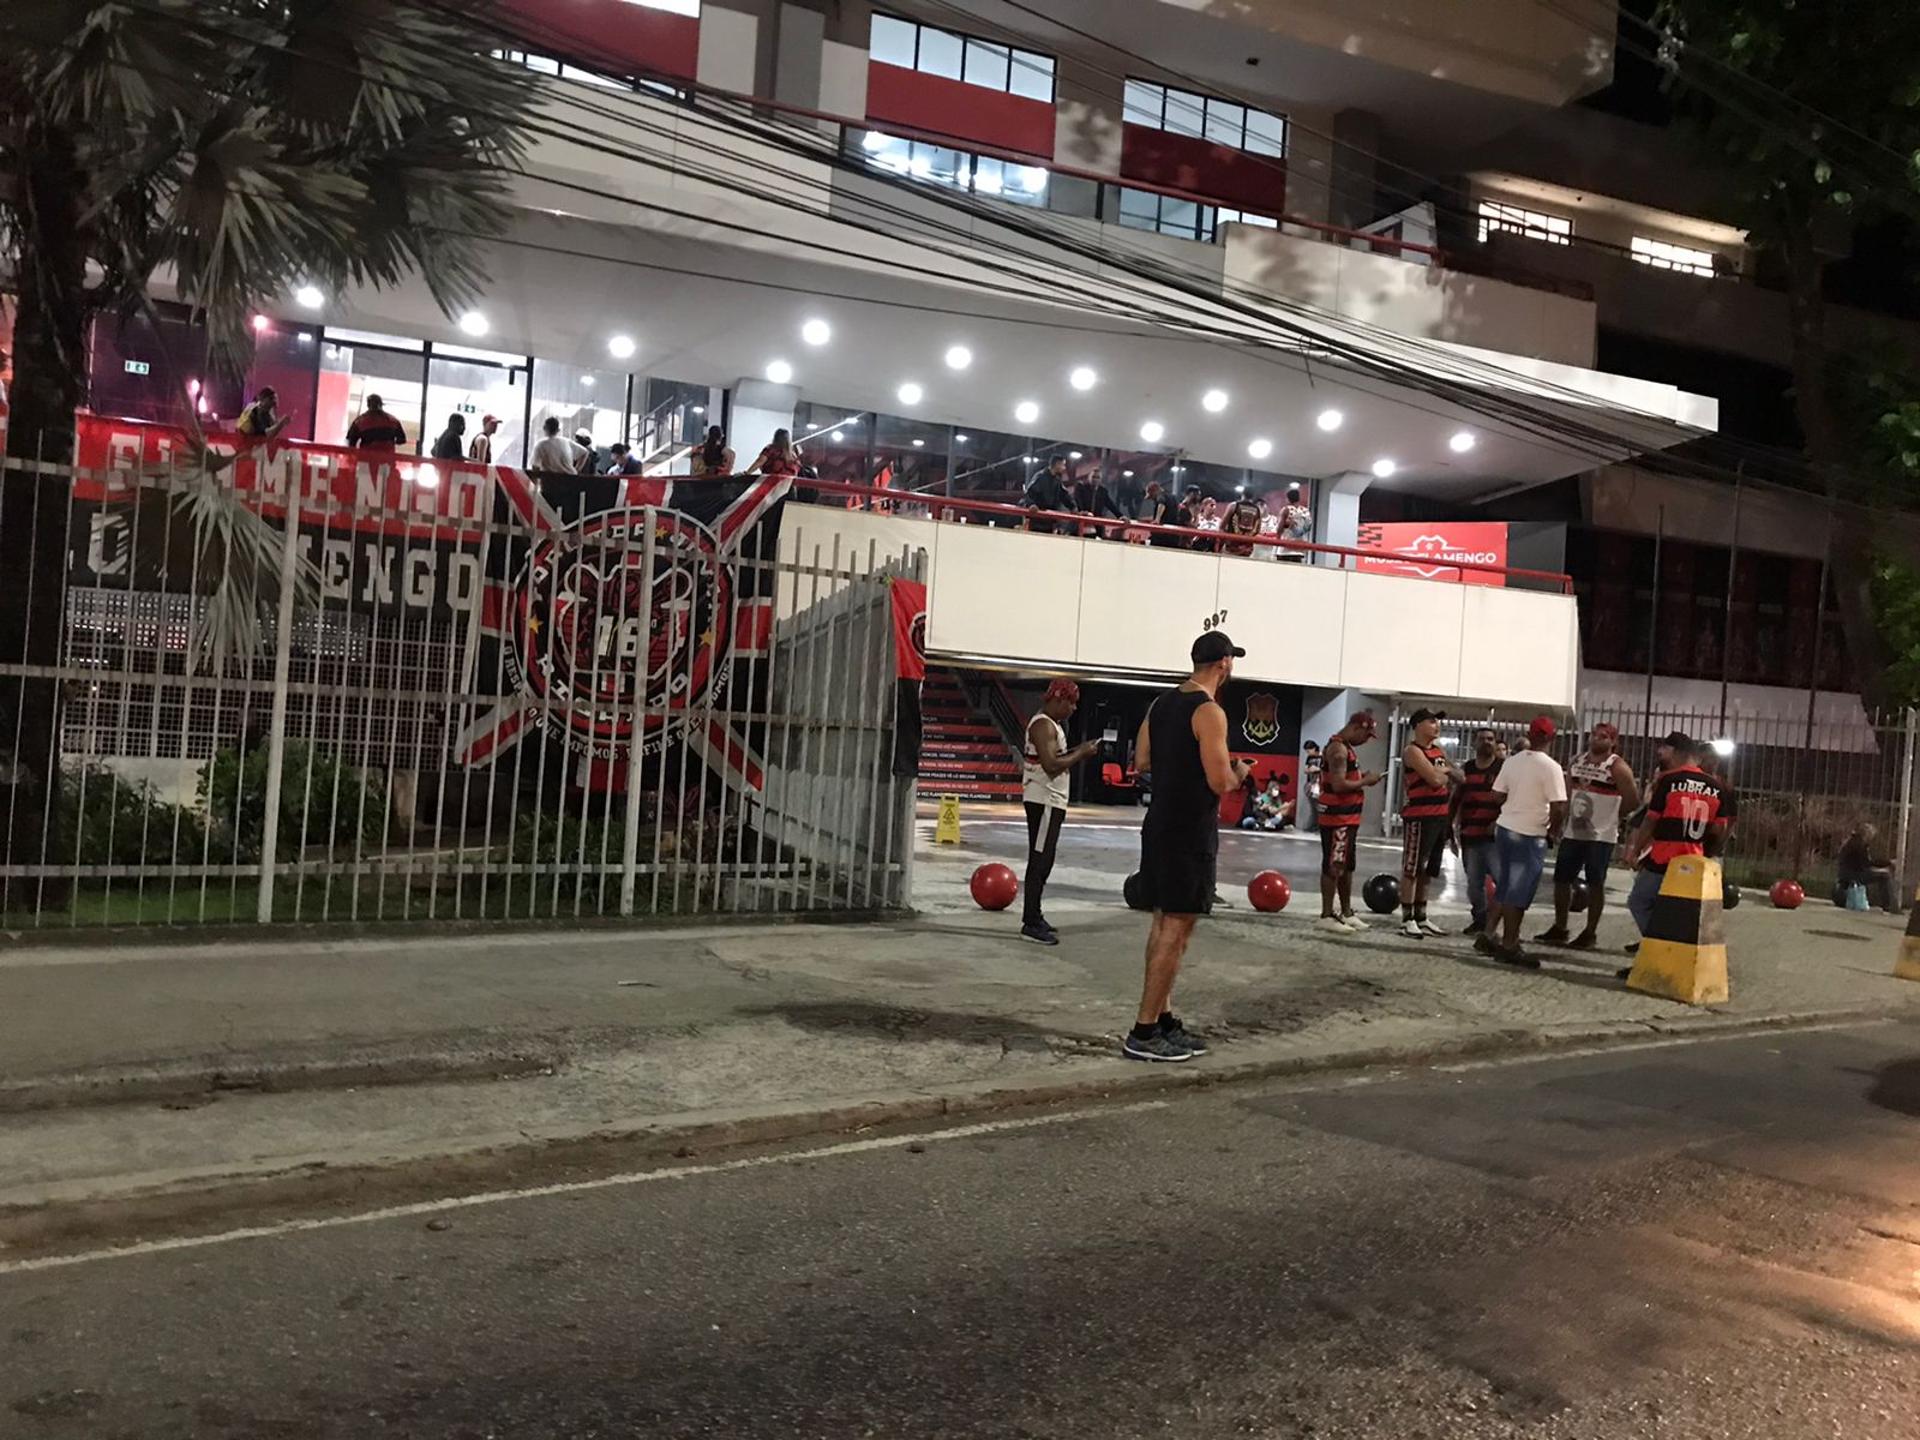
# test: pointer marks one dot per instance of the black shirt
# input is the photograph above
(450, 446)
(1047, 492)
(1185, 811)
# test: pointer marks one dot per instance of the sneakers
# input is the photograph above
(1411, 929)
(1585, 940)
(1473, 927)
(1157, 1047)
(1428, 926)
(1555, 935)
(1179, 1034)
(1041, 933)
(1485, 944)
(1353, 922)
(1332, 924)
(1516, 957)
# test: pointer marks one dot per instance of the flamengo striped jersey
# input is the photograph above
(1424, 801)
(1685, 805)
(1479, 806)
(1339, 808)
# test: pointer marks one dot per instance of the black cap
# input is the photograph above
(1213, 647)
(1419, 716)
(1678, 740)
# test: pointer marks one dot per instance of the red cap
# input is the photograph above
(1542, 728)
(1063, 690)
(1366, 718)
(489, 419)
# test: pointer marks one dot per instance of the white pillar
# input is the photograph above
(759, 408)
(1336, 511)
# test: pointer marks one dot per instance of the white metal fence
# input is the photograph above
(449, 692)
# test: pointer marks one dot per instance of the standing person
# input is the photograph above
(597, 460)
(1183, 742)
(1091, 496)
(1688, 811)
(623, 460)
(1430, 778)
(1153, 505)
(1533, 806)
(450, 445)
(714, 458)
(1207, 516)
(374, 429)
(480, 448)
(1475, 808)
(779, 456)
(260, 420)
(1343, 795)
(1310, 784)
(1186, 514)
(1243, 523)
(1600, 790)
(1048, 491)
(555, 452)
(1296, 523)
(1044, 781)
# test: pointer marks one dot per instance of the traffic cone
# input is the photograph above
(1683, 955)
(1907, 967)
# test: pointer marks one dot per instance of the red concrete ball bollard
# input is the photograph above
(994, 886)
(1786, 894)
(1269, 891)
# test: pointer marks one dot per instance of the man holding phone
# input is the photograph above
(1343, 795)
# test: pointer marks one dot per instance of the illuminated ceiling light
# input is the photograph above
(621, 347)
(961, 439)
(838, 436)
(1724, 748)
(1383, 469)
(1026, 412)
(1330, 420)
(308, 297)
(473, 323)
(1153, 432)
(1126, 474)
(1027, 458)
(699, 409)
(1239, 489)
(587, 380)
(959, 357)
(816, 332)
(1073, 454)
(1214, 401)
(260, 324)
(1260, 449)
(779, 372)
(911, 393)
(1462, 442)
(875, 142)
(1083, 377)
(919, 444)
(1179, 469)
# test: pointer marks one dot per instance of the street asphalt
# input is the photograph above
(1703, 1237)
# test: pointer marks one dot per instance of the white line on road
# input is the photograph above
(571, 1187)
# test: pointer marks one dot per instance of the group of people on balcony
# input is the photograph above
(1246, 526)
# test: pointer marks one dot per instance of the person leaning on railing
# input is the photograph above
(714, 457)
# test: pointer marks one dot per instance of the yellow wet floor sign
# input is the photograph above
(1683, 955)
(946, 830)
(1907, 967)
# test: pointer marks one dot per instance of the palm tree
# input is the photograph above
(236, 149)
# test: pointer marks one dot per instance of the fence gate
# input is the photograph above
(304, 684)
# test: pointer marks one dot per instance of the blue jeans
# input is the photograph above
(1518, 861)
(1477, 857)
(1646, 889)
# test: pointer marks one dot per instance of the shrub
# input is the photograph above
(323, 801)
(106, 820)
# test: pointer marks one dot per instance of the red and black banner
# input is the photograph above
(910, 671)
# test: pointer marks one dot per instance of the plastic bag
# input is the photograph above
(1855, 897)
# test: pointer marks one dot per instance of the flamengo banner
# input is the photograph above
(1429, 545)
(619, 608)
(910, 670)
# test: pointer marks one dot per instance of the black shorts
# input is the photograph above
(1176, 879)
(1420, 842)
(1582, 860)
(1336, 848)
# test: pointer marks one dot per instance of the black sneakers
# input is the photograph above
(1173, 1030)
(1155, 1047)
(1040, 933)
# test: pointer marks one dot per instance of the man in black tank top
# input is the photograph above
(1183, 742)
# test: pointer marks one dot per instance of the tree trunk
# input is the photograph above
(50, 377)
(1850, 551)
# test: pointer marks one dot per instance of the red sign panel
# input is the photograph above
(1435, 550)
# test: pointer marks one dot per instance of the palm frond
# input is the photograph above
(242, 552)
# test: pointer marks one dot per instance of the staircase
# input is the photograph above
(961, 751)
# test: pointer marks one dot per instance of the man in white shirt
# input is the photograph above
(1532, 789)
(555, 451)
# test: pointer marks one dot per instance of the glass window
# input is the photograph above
(1227, 124)
(591, 400)
(956, 169)
(1266, 134)
(1032, 77)
(1142, 104)
(1179, 217)
(1140, 209)
(474, 391)
(1265, 222)
(941, 53)
(287, 357)
(1186, 112)
(1496, 219)
(349, 373)
(986, 65)
(1664, 256)
(892, 41)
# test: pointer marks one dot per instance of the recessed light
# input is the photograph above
(911, 393)
(838, 436)
(779, 372)
(587, 380)
(699, 409)
(1330, 420)
(816, 332)
(1083, 377)
(309, 297)
(473, 323)
(1153, 432)
(919, 444)
(1179, 469)
(961, 439)
(1260, 449)
(1214, 401)
(1383, 469)
(850, 421)
(1073, 454)
(1239, 489)
(260, 324)
(1026, 412)
(621, 347)
(959, 357)
(1027, 458)
(1462, 442)
(1126, 474)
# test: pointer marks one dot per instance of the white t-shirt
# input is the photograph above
(556, 452)
(1036, 786)
(1532, 781)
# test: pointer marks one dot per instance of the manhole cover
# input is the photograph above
(1843, 935)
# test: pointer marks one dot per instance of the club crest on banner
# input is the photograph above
(1260, 720)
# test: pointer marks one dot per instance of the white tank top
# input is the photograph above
(1036, 786)
(1593, 800)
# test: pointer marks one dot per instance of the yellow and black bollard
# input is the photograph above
(1907, 967)
(1683, 955)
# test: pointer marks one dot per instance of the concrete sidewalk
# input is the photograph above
(135, 1071)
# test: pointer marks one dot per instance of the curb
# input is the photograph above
(207, 1202)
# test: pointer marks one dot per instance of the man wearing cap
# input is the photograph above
(1600, 790)
(1183, 742)
(481, 446)
(1430, 780)
(1343, 795)
(1044, 779)
(1688, 812)
(1533, 806)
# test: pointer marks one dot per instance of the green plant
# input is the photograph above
(105, 820)
(323, 801)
